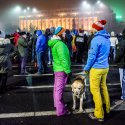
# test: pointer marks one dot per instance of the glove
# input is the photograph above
(86, 71)
(69, 74)
(69, 78)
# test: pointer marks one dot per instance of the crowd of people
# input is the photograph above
(60, 47)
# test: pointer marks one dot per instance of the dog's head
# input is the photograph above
(78, 86)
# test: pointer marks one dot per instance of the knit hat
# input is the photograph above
(52, 30)
(59, 31)
(99, 25)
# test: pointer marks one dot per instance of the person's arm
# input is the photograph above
(63, 57)
(44, 42)
(38, 44)
(22, 42)
(13, 50)
(120, 51)
(116, 41)
(92, 54)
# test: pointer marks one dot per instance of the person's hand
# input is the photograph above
(69, 74)
(15, 57)
(69, 77)
(86, 71)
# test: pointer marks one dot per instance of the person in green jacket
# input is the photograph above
(61, 67)
(23, 51)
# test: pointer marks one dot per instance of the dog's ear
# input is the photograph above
(71, 86)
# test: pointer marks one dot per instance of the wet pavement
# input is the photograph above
(29, 101)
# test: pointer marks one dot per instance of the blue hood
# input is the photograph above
(39, 32)
(103, 33)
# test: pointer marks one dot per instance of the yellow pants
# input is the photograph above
(99, 91)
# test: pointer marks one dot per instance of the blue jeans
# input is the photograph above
(23, 64)
(122, 80)
(33, 55)
(40, 61)
(113, 49)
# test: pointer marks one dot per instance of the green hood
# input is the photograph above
(51, 43)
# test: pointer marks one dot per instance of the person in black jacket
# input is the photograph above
(120, 60)
(6, 51)
(68, 40)
(34, 39)
(79, 42)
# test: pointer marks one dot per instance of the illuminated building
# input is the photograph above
(68, 18)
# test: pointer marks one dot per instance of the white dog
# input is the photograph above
(78, 91)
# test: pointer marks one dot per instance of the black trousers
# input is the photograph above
(3, 80)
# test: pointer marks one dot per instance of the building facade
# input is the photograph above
(68, 18)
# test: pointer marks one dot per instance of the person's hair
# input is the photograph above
(47, 31)
(35, 31)
(67, 31)
(7, 36)
(0, 32)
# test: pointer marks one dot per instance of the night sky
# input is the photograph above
(117, 5)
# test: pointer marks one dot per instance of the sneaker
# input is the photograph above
(23, 73)
(91, 115)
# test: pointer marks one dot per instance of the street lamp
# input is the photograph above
(17, 9)
(98, 2)
(88, 6)
(25, 11)
(34, 10)
(28, 8)
(119, 17)
(101, 4)
(84, 3)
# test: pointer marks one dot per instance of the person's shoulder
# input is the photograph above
(96, 38)
(20, 39)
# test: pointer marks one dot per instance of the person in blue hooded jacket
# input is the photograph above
(41, 45)
(97, 66)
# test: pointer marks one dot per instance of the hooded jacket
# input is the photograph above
(41, 42)
(22, 47)
(120, 52)
(60, 53)
(6, 51)
(99, 51)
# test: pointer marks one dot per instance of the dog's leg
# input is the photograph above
(74, 102)
(81, 104)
